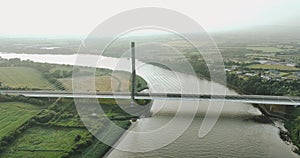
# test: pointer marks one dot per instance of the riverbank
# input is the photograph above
(268, 117)
(110, 135)
(129, 127)
(122, 136)
(279, 122)
(285, 135)
(292, 124)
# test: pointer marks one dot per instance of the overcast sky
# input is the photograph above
(58, 17)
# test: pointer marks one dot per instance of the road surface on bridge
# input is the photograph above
(250, 99)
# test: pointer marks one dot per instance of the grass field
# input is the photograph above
(43, 142)
(117, 82)
(14, 114)
(266, 49)
(21, 77)
(30, 154)
(273, 67)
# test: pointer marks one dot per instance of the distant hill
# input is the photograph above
(261, 33)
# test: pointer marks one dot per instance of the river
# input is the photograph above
(234, 135)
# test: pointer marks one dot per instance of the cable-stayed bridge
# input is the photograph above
(250, 99)
(165, 79)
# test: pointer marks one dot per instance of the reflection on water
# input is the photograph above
(230, 137)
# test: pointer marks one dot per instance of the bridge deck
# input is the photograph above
(251, 99)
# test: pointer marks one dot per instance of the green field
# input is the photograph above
(266, 49)
(21, 77)
(13, 115)
(30, 154)
(272, 67)
(43, 142)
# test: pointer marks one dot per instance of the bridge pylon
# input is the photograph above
(133, 75)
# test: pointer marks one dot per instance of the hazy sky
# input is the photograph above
(70, 17)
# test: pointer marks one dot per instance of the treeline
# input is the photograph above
(200, 68)
(18, 88)
(20, 98)
(81, 143)
(42, 67)
(293, 126)
(54, 81)
(258, 86)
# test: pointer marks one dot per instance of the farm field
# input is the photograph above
(39, 142)
(17, 154)
(14, 114)
(274, 67)
(21, 77)
(117, 82)
(102, 83)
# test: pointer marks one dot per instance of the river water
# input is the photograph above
(233, 135)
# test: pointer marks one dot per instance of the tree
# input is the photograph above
(77, 138)
(56, 74)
